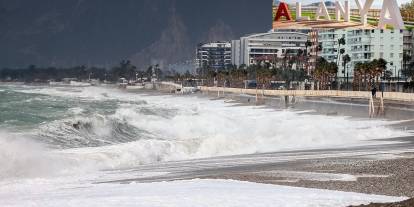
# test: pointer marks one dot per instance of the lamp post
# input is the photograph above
(395, 72)
(395, 77)
(347, 77)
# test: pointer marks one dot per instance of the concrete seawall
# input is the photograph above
(396, 96)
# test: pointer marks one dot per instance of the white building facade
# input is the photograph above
(362, 45)
(271, 45)
(216, 55)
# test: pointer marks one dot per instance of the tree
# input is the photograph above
(124, 70)
(324, 72)
(346, 59)
(341, 41)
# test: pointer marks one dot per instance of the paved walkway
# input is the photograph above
(396, 96)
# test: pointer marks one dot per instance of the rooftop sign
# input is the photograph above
(390, 13)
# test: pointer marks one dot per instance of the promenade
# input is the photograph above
(395, 96)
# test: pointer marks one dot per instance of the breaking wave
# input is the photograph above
(21, 156)
(147, 129)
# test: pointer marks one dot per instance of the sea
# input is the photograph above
(55, 138)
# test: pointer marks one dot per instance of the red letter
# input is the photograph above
(283, 11)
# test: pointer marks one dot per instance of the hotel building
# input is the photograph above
(216, 55)
(362, 45)
(267, 46)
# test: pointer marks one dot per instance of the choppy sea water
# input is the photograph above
(79, 146)
(51, 131)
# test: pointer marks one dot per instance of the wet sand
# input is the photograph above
(393, 177)
(407, 203)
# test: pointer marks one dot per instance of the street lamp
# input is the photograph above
(395, 71)
(347, 77)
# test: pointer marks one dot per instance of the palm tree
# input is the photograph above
(324, 72)
(377, 68)
(346, 59)
(360, 74)
(341, 41)
(307, 54)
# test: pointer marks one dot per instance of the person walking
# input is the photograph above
(374, 92)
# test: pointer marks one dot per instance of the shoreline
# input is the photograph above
(374, 169)
(385, 175)
(381, 169)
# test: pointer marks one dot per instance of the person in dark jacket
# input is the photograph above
(374, 92)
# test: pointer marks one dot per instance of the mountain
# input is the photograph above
(96, 32)
(220, 31)
(163, 51)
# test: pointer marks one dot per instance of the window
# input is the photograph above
(391, 55)
(381, 55)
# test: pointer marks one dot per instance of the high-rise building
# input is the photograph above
(268, 46)
(408, 48)
(216, 55)
(362, 45)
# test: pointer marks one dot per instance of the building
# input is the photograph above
(362, 45)
(267, 46)
(216, 55)
(408, 42)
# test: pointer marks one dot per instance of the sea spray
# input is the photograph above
(110, 129)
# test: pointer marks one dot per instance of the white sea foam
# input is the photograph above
(76, 110)
(314, 176)
(180, 128)
(178, 193)
(202, 128)
(23, 157)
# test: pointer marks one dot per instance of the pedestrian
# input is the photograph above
(382, 89)
(374, 92)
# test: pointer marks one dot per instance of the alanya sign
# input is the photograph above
(390, 13)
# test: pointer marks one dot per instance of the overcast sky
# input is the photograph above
(377, 3)
(102, 32)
